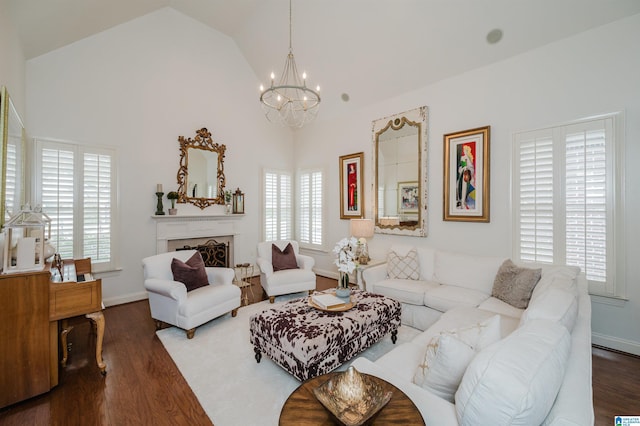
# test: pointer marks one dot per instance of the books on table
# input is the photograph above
(327, 301)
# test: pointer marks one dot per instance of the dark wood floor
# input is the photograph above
(144, 387)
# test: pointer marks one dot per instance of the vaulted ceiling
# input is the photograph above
(368, 49)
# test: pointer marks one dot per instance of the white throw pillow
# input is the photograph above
(516, 380)
(448, 354)
(403, 267)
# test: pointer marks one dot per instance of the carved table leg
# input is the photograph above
(394, 336)
(98, 319)
(65, 329)
(258, 354)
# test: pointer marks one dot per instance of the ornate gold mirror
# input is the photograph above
(11, 158)
(201, 178)
(400, 173)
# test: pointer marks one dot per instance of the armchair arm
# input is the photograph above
(265, 266)
(220, 276)
(305, 262)
(173, 289)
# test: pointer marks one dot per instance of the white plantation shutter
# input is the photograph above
(278, 207)
(565, 200)
(76, 188)
(535, 197)
(310, 212)
(97, 207)
(587, 221)
(11, 184)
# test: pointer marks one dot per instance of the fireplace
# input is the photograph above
(213, 252)
(176, 232)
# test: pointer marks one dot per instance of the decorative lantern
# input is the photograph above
(24, 241)
(238, 202)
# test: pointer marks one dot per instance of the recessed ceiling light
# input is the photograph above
(345, 97)
(494, 36)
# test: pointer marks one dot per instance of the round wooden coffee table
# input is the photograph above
(303, 408)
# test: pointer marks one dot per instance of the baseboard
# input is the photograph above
(133, 297)
(326, 274)
(616, 343)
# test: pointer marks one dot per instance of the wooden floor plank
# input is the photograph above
(144, 386)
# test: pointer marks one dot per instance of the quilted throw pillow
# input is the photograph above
(283, 259)
(449, 353)
(403, 267)
(514, 284)
(190, 273)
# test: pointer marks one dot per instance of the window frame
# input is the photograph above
(289, 217)
(614, 286)
(79, 150)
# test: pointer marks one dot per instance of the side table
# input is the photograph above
(360, 268)
(303, 408)
(244, 273)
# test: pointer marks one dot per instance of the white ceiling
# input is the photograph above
(370, 49)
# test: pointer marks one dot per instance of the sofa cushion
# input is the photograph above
(525, 369)
(514, 284)
(190, 273)
(283, 259)
(445, 297)
(493, 304)
(403, 266)
(405, 291)
(472, 272)
(447, 355)
(556, 305)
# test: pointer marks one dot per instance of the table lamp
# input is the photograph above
(362, 229)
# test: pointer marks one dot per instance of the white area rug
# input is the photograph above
(219, 365)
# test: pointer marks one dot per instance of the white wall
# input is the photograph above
(592, 73)
(138, 87)
(12, 62)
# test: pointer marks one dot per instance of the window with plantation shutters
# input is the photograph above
(310, 208)
(277, 208)
(76, 188)
(566, 198)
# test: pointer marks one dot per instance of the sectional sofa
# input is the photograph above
(480, 360)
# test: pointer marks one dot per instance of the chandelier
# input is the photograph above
(290, 102)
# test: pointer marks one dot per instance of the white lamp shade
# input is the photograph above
(362, 228)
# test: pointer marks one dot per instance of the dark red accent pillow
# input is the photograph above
(190, 273)
(285, 259)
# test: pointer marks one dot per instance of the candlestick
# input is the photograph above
(159, 207)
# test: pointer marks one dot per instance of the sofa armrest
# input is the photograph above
(374, 274)
(220, 276)
(173, 289)
(305, 262)
(265, 266)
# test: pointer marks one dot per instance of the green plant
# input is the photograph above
(173, 196)
(227, 196)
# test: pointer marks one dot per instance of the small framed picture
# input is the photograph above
(351, 193)
(408, 197)
(466, 175)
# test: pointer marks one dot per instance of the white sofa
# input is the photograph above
(539, 372)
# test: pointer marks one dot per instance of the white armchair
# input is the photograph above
(288, 280)
(171, 303)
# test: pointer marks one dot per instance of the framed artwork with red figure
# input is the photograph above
(351, 193)
(466, 175)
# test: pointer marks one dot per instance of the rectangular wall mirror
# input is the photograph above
(11, 158)
(400, 173)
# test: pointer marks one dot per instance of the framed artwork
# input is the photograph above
(408, 197)
(466, 175)
(351, 194)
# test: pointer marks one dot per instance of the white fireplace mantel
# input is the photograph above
(177, 227)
